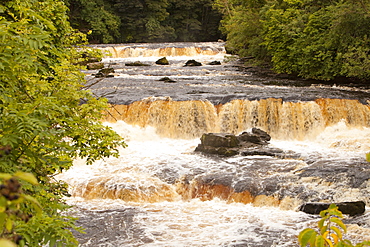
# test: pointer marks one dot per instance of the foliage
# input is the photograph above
(312, 39)
(47, 117)
(330, 231)
(146, 20)
(318, 40)
(11, 198)
(243, 27)
(95, 18)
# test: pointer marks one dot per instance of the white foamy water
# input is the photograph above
(145, 179)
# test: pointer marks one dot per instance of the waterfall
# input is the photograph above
(163, 50)
(283, 120)
(160, 192)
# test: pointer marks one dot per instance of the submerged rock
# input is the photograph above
(215, 63)
(137, 63)
(351, 208)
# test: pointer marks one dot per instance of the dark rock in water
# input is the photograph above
(257, 136)
(167, 79)
(136, 64)
(265, 151)
(93, 66)
(220, 140)
(162, 61)
(192, 63)
(106, 72)
(215, 63)
(254, 143)
(219, 143)
(351, 208)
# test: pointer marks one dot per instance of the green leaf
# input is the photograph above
(320, 241)
(35, 203)
(339, 223)
(321, 223)
(7, 243)
(323, 229)
(307, 236)
(368, 157)
(29, 177)
(5, 176)
(9, 224)
(337, 231)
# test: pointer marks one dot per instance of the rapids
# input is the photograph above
(160, 192)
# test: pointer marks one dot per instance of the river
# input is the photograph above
(160, 192)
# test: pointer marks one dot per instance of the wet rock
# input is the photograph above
(264, 151)
(167, 79)
(94, 66)
(105, 72)
(219, 140)
(351, 208)
(245, 144)
(193, 63)
(219, 143)
(257, 136)
(162, 61)
(215, 63)
(137, 63)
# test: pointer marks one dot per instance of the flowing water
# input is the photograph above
(162, 193)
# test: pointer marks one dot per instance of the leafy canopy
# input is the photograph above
(47, 118)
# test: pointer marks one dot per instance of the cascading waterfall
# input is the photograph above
(160, 192)
(283, 120)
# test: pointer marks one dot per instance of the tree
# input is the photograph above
(314, 39)
(194, 20)
(95, 16)
(47, 118)
(243, 26)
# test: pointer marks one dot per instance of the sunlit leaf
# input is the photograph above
(339, 223)
(306, 236)
(29, 177)
(7, 243)
(337, 231)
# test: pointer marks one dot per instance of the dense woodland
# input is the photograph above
(117, 21)
(323, 39)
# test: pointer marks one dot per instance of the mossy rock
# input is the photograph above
(162, 61)
(94, 66)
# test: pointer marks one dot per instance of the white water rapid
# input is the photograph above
(160, 192)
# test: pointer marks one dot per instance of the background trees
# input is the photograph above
(47, 119)
(117, 21)
(313, 39)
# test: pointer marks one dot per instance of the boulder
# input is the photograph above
(220, 140)
(167, 79)
(215, 63)
(226, 144)
(351, 208)
(192, 63)
(105, 72)
(257, 136)
(162, 61)
(95, 66)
